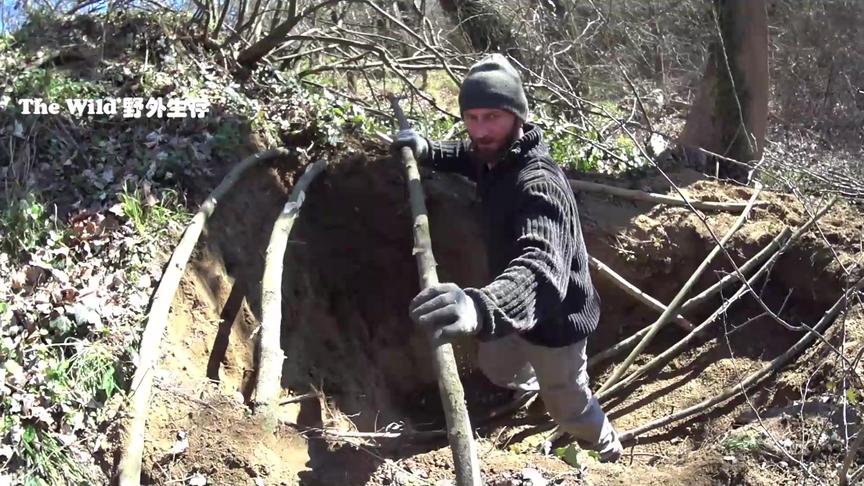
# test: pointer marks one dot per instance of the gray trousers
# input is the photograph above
(561, 377)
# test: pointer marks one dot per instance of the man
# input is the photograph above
(532, 320)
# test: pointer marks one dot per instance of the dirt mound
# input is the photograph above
(349, 275)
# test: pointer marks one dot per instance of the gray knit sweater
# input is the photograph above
(542, 287)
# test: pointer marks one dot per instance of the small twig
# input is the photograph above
(749, 321)
(408, 434)
(178, 480)
(636, 94)
(300, 398)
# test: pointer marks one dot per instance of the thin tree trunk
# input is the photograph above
(729, 115)
(218, 28)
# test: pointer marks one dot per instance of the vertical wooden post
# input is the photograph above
(459, 431)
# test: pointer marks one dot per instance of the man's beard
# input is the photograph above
(492, 156)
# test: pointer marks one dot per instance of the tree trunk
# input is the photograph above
(241, 16)
(216, 30)
(251, 55)
(730, 112)
(482, 25)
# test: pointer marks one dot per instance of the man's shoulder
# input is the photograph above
(538, 166)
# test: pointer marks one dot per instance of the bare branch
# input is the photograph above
(770, 368)
(676, 302)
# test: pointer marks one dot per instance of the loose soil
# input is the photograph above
(349, 275)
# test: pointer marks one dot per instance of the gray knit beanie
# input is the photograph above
(494, 83)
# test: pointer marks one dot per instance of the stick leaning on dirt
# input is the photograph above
(636, 292)
(269, 381)
(677, 301)
(678, 347)
(772, 367)
(459, 430)
(586, 186)
(129, 468)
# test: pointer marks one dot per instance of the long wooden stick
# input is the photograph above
(129, 468)
(585, 186)
(721, 284)
(679, 346)
(745, 384)
(635, 292)
(269, 380)
(459, 430)
(631, 341)
(766, 252)
(673, 351)
(679, 298)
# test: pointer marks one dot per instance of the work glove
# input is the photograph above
(446, 311)
(410, 138)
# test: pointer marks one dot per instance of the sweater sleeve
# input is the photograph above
(450, 156)
(533, 286)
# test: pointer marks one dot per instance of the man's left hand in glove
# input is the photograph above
(446, 311)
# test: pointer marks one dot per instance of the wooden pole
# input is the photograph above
(585, 186)
(129, 468)
(459, 431)
(679, 298)
(269, 381)
(770, 368)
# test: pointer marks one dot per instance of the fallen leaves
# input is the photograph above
(67, 312)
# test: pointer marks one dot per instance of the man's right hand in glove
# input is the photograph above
(446, 311)
(410, 138)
